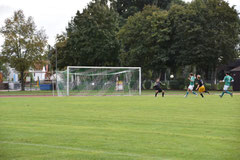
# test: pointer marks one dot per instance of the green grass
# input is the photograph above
(120, 128)
(50, 93)
(37, 92)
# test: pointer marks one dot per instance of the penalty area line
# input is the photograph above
(80, 149)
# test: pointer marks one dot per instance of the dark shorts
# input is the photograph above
(157, 89)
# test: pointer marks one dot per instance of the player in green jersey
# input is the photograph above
(227, 79)
(191, 85)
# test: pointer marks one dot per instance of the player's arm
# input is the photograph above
(162, 83)
(222, 80)
(197, 87)
(155, 84)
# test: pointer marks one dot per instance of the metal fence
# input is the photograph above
(36, 88)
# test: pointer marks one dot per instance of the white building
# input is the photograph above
(40, 73)
(13, 75)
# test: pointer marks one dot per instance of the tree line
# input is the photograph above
(158, 35)
(153, 34)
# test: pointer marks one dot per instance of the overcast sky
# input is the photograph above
(52, 15)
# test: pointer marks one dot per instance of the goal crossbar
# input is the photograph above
(92, 67)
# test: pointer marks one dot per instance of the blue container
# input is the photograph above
(45, 86)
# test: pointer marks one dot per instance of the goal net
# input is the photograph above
(80, 80)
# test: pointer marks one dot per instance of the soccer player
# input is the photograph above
(191, 85)
(201, 87)
(157, 87)
(227, 79)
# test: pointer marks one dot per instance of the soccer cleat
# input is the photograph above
(231, 95)
(220, 96)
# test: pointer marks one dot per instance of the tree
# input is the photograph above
(4, 69)
(145, 39)
(24, 44)
(128, 8)
(60, 53)
(204, 33)
(91, 37)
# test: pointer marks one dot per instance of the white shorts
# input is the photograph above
(190, 87)
(225, 88)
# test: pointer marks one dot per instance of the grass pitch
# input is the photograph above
(120, 128)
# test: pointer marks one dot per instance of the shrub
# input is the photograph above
(165, 86)
(208, 86)
(147, 84)
(218, 86)
(178, 84)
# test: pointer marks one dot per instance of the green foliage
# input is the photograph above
(91, 37)
(59, 53)
(207, 86)
(127, 8)
(24, 44)
(218, 86)
(147, 84)
(204, 31)
(145, 39)
(4, 70)
(178, 84)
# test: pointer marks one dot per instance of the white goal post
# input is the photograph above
(89, 80)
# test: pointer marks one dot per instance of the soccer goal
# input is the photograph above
(85, 80)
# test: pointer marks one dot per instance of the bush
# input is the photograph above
(178, 84)
(147, 84)
(165, 86)
(218, 86)
(208, 86)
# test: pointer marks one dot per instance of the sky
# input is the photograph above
(52, 15)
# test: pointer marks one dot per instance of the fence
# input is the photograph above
(40, 88)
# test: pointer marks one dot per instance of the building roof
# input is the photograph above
(236, 69)
(230, 66)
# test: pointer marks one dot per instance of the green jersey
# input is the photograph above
(228, 79)
(192, 79)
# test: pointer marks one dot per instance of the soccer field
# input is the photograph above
(120, 128)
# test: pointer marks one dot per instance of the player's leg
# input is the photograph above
(225, 90)
(201, 90)
(222, 94)
(187, 92)
(160, 90)
(206, 91)
(229, 93)
(156, 93)
(194, 93)
(163, 93)
(193, 90)
(201, 93)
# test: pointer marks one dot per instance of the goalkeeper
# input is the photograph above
(158, 88)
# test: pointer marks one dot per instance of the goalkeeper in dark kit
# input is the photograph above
(157, 87)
